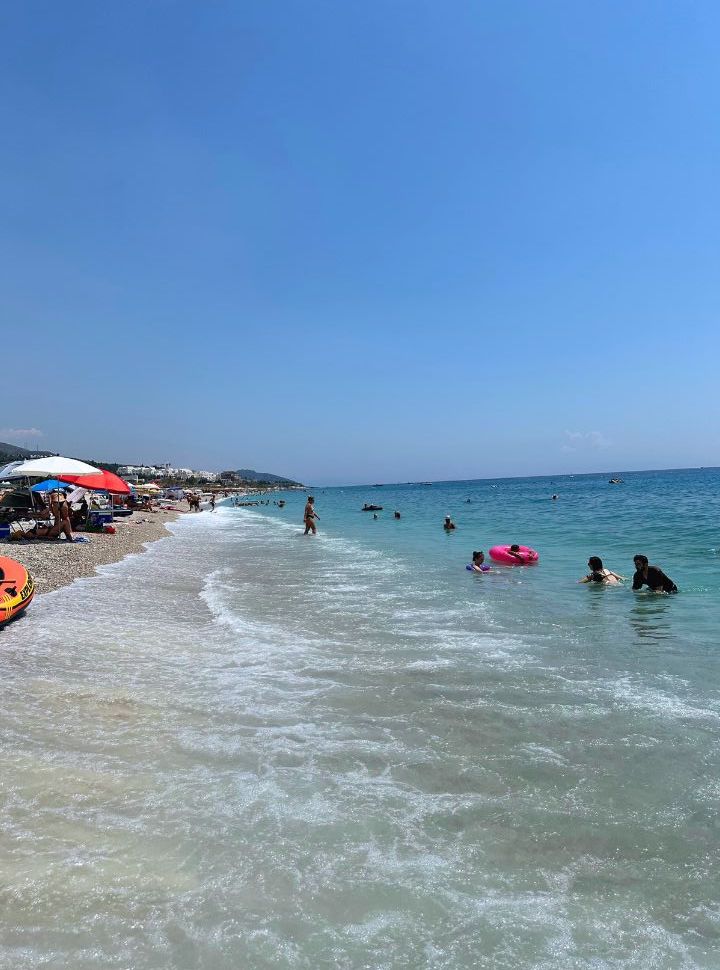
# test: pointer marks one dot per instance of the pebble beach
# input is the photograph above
(56, 563)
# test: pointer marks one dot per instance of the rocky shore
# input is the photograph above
(57, 563)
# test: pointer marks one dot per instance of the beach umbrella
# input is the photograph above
(6, 470)
(101, 481)
(51, 485)
(150, 487)
(55, 466)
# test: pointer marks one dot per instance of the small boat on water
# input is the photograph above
(371, 508)
(16, 589)
(615, 481)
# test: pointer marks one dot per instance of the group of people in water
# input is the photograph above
(645, 575)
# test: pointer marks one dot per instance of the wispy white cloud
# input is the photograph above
(15, 435)
(577, 440)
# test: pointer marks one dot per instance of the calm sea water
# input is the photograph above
(248, 748)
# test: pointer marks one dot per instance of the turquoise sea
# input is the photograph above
(249, 748)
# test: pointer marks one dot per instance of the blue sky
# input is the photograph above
(362, 241)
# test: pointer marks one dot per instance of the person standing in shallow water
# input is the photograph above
(651, 576)
(310, 515)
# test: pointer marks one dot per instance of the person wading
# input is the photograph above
(310, 515)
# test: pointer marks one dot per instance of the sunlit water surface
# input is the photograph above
(248, 748)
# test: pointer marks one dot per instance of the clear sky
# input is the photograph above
(362, 241)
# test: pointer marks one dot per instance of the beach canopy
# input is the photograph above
(6, 470)
(55, 466)
(51, 485)
(101, 481)
(150, 487)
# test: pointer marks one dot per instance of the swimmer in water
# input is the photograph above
(599, 574)
(396, 515)
(478, 563)
(448, 525)
(651, 576)
(514, 551)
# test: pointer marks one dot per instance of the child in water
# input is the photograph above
(478, 563)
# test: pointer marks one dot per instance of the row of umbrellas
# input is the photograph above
(68, 471)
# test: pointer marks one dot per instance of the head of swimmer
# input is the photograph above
(478, 558)
(514, 547)
(641, 562)
(595, 563)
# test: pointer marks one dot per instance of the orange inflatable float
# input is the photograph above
(16, 589)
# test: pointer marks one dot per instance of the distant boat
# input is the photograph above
(615, 481)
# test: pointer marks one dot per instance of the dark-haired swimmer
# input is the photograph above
(599, 574)
(478, 563)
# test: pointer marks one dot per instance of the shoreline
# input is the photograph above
(56, 563)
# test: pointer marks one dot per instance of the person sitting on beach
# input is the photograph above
(309, 516)
(651, 576)
(599, 574)
(78, 515)
(448, 524)
(478, 564)
(46, 530)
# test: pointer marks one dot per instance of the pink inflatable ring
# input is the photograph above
(525, 556)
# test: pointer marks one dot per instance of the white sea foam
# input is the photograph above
(320, 753)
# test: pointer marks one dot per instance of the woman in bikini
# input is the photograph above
(310, 515)
(599, 574)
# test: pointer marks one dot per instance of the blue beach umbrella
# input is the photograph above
(51, 485)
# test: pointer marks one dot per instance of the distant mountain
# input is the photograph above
(14, 451)
(10, 453)
(250, 475)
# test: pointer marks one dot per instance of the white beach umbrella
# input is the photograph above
(7, 469)
(54, 465)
